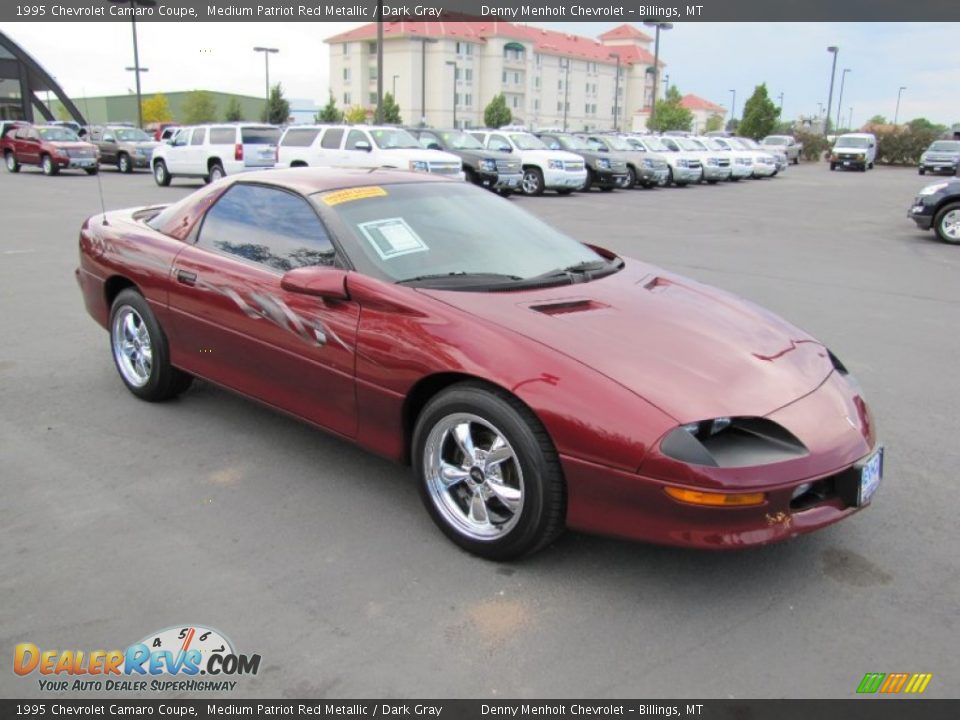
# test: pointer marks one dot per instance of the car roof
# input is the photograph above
(307, 181)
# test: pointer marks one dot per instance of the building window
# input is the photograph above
(373, 98)
(346, 98)
(346, 48)
(515, 101)
(560, 84)
(516, 78)
(468, 74)
(536, 104)
(559, 106)
(346, 74)
(373, 72)
(372, 48)
(536, 82)
(537, 59)
(464, 48)
(468, 100)
(456, 99)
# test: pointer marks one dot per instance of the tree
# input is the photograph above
(732, 125)
(760, 115)
(329, 113)
(277, 109)
(390, 112)
(198, 107)
(877, 120)
(234, 112)
(156, 109)
(355, 115)
(921, 125)
(497, 114)
(670, 114)
(714, 122)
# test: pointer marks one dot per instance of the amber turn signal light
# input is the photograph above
(712, 499)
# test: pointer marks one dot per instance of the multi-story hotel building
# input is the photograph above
(548, 78)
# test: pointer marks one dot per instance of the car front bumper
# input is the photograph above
(762, 170)
(140, 161)
(715, 172)
(564, 179)
(72, 163)
(741, 171)
(921, 212)
(609, 178)
(940, 166)
(686, 174)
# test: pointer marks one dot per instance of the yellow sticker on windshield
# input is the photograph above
(357, 193)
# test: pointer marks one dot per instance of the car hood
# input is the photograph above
(940, 155)
(69, 145)
(693, 351)
(424, 155)
(141, 144)
(542, 156)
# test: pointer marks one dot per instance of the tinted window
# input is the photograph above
(299, 138)
(199, 135)
(331, 139)
(259, 135)
(427, 139)
(223, 136)
(355, 137)
(268, 226)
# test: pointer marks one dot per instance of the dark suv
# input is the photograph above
(488, 168)
(604, 170)
(938, 207)
(125, 147)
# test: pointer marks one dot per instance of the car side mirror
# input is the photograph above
(434, 146)
(318, 281)
(109, 139)
(362, 145)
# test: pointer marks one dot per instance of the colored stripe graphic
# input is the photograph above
(893, 683)
(871, 682)
(918, 682)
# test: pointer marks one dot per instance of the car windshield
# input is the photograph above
(393, 139)
(776, 140)
(130, 135)
(951, 146)
(572, 142)
(735, 144)
(458, 140)
(651, 143)
(618, 143)
(688, 144)
(749, 144)
(527, 142)
(439, 234)
(851, 142)
(57, 134)
(713, 144)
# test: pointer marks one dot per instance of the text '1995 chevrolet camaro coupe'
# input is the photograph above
(533, 382)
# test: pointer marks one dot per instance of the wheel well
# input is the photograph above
(114, 286)
(425, 390)
(532, 167)
(298, 163)
(213, 161)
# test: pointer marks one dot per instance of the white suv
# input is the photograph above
(214, 151)
(543, 169)
(362, 146)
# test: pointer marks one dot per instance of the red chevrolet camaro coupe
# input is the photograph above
(533, 382)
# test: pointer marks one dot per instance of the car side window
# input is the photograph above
(427, 139)
(355, 137)
(180, 139)
(199, 135)
(299, 137)
(267, 226)
(223, 136)
(331, 139)
(498, 142)
(551, 142)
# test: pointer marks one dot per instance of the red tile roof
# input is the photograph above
(546, 41)
(625, 31)
(694, 102)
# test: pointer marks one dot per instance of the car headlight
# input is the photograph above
(730, 442)
(420, 165)
(713, 161)
(648, 163)
(682, 163)
(602, 164)
(555, 164)
(933, 189)
(488, 165)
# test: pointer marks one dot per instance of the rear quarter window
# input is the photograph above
(331, 139)
(299, 138)
(223, 136)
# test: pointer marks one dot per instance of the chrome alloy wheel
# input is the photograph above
(132, 348)
(473, 476)
(950, 225)
(530, 182)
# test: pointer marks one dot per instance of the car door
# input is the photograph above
(197, 152)
(28, 147)
(327, 152)
(177, 157)
(232, 322)
(357, 149)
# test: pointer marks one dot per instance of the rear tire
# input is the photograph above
(498, 510)
(48, 166)
(10, 160)
(124, 164)
(216, 172)
(160, 173)
(140, 350)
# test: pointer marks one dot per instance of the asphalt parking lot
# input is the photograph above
(119, 518)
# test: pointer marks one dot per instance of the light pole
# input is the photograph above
(267, 52)
(896, 113)
(133, 70)
(733, 105)
(850, 120)
(423, 78)
(833, 74)
(134, 4)
(843, 78)
(395, 87)
(566, 92)
(656, 65)
(666, 83)
(378, 118)
(454, 64)
(616, 94)
(780, 98)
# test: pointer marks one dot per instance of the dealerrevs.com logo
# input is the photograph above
(172, 660)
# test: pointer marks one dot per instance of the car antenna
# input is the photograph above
(103, 205)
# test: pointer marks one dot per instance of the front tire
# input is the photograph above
(123, 163)
(10, 160)
(532, 183)
(49, 166)
(631, 180)
(488, 473)
(160, 173)
(922, 171)
(588, 183)
(91, 171)
(947, 223)
(140, 350)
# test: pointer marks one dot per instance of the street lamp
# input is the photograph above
(666, 83)
(843, 78)
(616, 93)
(833, 74)
(780, 98)
(423, 78)
(134, 4)
(395, 87)
(896, 114)
(850, 120)
(454, 64)
(733, 105)
(656, 65)
(267, 52)
(566, 91)
(379, 110)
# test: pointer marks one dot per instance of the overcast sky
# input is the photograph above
(707, 59)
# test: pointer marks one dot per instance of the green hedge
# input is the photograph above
(901, 144)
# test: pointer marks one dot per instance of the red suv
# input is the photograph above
(52, 147)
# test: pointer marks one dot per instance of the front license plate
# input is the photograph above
(870, 476)
(846, 162)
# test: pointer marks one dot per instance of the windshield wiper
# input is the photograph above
(459, 274)
(581, 268)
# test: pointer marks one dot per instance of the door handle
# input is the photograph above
(187, 278)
